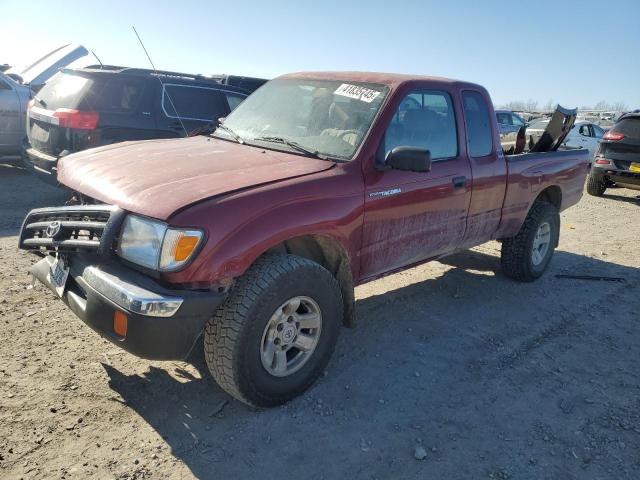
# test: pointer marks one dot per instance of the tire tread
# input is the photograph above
(224, 329)
(595, 186)
(514, 258)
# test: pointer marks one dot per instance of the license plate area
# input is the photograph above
(58, 273)
(634, 167)
(39, 133)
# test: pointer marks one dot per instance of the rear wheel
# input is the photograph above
(595, 186)
(275, 333)
(525, 256)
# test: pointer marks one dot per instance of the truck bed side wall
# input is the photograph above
(531, 174)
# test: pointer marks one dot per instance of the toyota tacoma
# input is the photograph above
(254, 234)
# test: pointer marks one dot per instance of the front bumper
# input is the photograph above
(44, 166)
(162, 324)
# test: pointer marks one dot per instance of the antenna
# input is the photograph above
(94, 54)
(164, 90)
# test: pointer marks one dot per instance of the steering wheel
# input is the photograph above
(348, 132)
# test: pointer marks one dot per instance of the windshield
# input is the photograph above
(322, 117)
(539, 125)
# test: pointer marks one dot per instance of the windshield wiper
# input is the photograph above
(294, 145)
(233, 134)
(207, 129)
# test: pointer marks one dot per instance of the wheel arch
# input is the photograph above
(330, 253)
(551, 194)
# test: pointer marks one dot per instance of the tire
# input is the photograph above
(595, 186)
(235, 337)
(518, 259)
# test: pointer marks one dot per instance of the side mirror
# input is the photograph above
(410, 159)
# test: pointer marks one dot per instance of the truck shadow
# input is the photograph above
(206, 429)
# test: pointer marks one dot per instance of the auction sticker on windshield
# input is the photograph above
(359, 93)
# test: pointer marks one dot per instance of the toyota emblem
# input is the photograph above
(53, 229)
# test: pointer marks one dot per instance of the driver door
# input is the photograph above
(412, 216)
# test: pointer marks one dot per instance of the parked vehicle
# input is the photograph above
(13, 104)
(617, 161)
(255, 236)
(100, 105)
(509, 122)
(584, 134)
(18, 86)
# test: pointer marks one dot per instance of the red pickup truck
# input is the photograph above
(255, 233)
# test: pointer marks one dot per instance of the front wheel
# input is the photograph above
(276, 332)
(525, 256)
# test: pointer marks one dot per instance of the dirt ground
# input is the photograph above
(493, 379)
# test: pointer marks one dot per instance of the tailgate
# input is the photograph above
(45, 133)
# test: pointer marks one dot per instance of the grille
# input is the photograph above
(69, 229)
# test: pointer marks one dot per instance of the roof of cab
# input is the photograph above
(392, 80)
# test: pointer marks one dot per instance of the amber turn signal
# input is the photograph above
(178, 246)
(120, 323)
(185, 246)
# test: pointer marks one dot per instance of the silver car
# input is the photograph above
(18, 87)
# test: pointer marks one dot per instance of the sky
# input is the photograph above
(572, 53)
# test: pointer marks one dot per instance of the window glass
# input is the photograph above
(424, 120)
(517, 121)
(99, 92)
(193, 103)
(478, 123)
(597, 131)
(330, 117)
(233, 100)
(539, 125)
(4, 85)
(629, 126)
(584, 130)
(503, 118)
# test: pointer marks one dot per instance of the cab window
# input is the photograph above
(503, 118)
(424, 119)
(478, 123)
(597, 131)
(517, 121)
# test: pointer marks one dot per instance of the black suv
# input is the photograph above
(617, 161)
(100, 105)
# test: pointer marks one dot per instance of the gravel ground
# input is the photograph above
(453, 371)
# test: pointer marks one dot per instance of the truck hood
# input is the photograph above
(158, 177)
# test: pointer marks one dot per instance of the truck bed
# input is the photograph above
(562, 173)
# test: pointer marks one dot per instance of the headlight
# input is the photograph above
(153, 244)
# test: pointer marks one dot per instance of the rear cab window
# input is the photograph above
(192, 102)
(478, 124)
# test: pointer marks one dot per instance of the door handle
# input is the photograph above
(459, 182)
